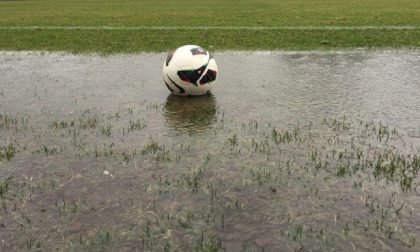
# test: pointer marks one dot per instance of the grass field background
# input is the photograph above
(158, 14)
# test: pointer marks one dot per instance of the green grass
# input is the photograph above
(249, 13)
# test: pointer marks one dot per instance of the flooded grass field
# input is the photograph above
(292, 152)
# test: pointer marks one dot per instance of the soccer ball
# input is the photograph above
(189, 70)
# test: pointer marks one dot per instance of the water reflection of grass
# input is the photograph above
(115, 182)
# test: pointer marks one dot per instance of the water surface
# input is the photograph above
(312, 151)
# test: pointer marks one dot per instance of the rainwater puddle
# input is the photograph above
(292, 151)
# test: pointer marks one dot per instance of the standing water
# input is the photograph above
(292, 151)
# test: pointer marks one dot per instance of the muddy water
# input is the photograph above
(291, 151)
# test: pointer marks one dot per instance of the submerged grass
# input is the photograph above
(120, 178)
(7, 152)
(250, 13)
(314, 186)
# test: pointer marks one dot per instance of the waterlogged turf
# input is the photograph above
(296, 151)
(216, 13)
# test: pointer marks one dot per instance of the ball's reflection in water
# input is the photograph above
(193, 114)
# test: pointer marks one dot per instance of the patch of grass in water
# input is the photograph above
(8, 152)
(136, 125)
(158, 151)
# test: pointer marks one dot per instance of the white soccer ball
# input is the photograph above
(189, 70)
